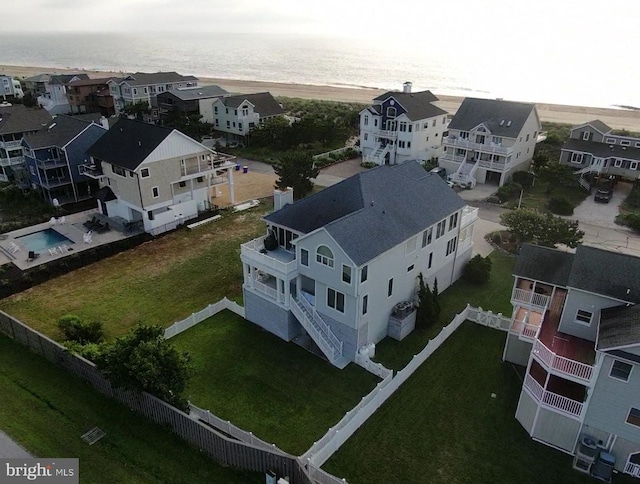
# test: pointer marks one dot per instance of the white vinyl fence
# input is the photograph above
(377, 369)
(195, 318)
(488, 318)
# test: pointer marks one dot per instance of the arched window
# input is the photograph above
(324, 256)
(391, 112)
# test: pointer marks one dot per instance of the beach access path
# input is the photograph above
(628, 119)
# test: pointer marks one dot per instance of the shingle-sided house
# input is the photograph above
(489, 140)
(16, 122)
(402, 126)
(576, 327)
(236, 116)
(54, 154)
(595, 147)
(54, 99)
(188, 101)
(338, 270)
(153, 176)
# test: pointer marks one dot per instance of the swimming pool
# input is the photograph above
(43, 240)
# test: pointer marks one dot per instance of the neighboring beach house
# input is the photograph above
(236, 116)
(54, 99)
(37, 84)
(188, 101)
(338, 270)
(576, 327)
(489, 140)
(145, 87)
(90, 96)
(10, 88)
(154, 177)
(16, 121)
(402, 126)
(54, 154)
(595, 147)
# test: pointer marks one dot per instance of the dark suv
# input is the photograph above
(604, 192)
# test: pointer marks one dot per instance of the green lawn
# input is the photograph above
(279, 391)
(536, 196)
(46, 410)
(443, 426)
(159, 282)
(494, 296)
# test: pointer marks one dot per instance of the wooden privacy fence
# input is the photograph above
(195, 318)
(258, 457)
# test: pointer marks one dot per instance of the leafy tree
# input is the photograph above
(138, 109)
(74, 329)
(428, 305)
(192, 126)
(555, 175)
(530, 225)
(143, 360)
(29, 100)
(477, 270)
(295, 169)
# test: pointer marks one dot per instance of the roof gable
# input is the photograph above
(264, 103)
(416, 105)
(502, 118)
(175, 145)
(20, 119)
(60, 131)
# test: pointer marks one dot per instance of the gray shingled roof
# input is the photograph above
(39, 78)
(619, 326)
(372, 212)
(494, 114)
(265, 104)
(128, 143)
(60, 131)
(418, 105)
(144, 78)
(65, 78)
(203, 92)
(602, 150)
(544, 264)
(599, 125)
(90, 82)
(19, 119)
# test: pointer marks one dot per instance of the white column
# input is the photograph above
(232, 197)
(287, 292)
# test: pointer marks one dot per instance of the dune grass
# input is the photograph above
(46, 410)
(279, 391)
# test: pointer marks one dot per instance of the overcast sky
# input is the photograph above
(611, 23)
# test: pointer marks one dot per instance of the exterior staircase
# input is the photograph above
(378, 155)
(596, 167)
(319, 331)
(465, 174)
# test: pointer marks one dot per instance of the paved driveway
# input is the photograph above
(602, 214)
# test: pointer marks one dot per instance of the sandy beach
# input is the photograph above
(557, 113)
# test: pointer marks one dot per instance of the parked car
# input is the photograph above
(441, 172)
(603, 194)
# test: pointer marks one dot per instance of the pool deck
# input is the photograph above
(72, 229)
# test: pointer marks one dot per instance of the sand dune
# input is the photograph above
(558, 113)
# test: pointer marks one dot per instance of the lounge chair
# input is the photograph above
(91, 224)
(103, 228)
(62, 248)
(53, 251)
(32, 256)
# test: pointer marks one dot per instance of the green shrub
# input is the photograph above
(632, 220)
(524, 178)
(368, 164)
(74, 329)
(560, 206)
(508, 191)
(493, 199)
(477, 270)
(496, 238)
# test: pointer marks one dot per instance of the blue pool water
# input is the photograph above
(43, 240)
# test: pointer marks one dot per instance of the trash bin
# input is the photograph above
(245, 169)
(237, 166)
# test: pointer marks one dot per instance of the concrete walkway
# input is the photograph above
(10, 450)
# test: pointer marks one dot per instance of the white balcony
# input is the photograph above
(8, 145)
(448, 156)
(542, 135)
(530, 298)
(456, 142)
(553, 400)
(214, 164)
(92, 171)
(385, 133)
(469, 215)
(496, 165)
(280, 261)
(11, 161)
(576, 370)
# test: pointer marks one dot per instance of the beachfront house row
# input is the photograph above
(489, 140)
(402, 126)
(593, 147)
(54, 99)
(10, 88)
(53, 156)
(338, 270)
(236, 116)
(576, 328)
(90, 96)
(187, 101)
(153, 177)
(145, 87)
(16, 121)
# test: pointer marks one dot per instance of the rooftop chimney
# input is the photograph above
(406, 87)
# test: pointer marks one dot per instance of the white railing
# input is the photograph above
(469, 215)
(632, 469)
(542, 135)
(378, 155)
(371, 366)
(464, 143)
(449, 157)
(195, 318)
(13, 160)
(320, 339)
(251, 250)
(264, 289)
(529, 331)
(323, 326)
(487, 318)
(228, 428)
(494, 165)
(531, 298)
(327, 153)
(561, 364)
(553, 400)
(317, 475)
(10, 144)
(386, 133)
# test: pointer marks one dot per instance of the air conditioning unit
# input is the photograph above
(402, 309)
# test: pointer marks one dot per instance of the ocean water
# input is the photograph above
(542, 76)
